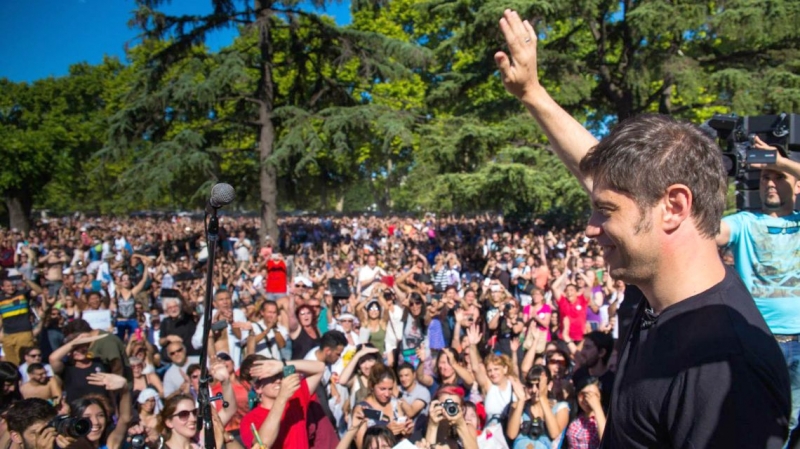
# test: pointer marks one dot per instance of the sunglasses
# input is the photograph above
(306, 312)
(184, 415)
(374, 308)
(224, 357)
(775, 230)
(177, 351)
(416, 303)
(35, 355)
(557, 361)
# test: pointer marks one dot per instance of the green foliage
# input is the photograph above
(403, 109)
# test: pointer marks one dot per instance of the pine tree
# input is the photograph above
(283, 94)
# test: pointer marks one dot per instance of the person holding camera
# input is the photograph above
(30, 425)
(765, 245)
(446, 424)
(103, 433)
(539, 420)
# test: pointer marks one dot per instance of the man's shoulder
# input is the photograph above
(420, 392)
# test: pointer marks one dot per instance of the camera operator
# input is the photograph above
(765, 246)
(30, 425)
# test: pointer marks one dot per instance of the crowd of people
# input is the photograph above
(427, 332)
(427, 329)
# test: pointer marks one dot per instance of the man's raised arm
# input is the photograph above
(570, 140)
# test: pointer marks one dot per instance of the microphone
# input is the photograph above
(221, 195)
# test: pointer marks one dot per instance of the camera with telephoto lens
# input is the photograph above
(450, 407)
(533, 429)
(71, 427)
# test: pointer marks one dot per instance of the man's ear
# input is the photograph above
(16, 437)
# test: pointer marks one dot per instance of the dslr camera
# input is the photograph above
(71, 427)
(533, 429)
(450, 407)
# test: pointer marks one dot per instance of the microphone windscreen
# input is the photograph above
(221, 194)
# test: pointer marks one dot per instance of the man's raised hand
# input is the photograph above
(519, 72)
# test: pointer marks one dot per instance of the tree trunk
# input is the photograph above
(19, 204)
(339, 200)
(267, 175)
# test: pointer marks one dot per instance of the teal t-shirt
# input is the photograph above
(767, 256)
(322, 321)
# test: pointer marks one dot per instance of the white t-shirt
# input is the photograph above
(272, 351)
(368, 274)
(234, 348)
(173, 379)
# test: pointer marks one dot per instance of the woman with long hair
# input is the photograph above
(356, 374)
(493, 377)
(9, 383)
(587, 429)
(410, 335)
(149, 408)
(141, 381)
(539, 420)
(124, 299)
(95, 408)
(382, 400)
(70, 311)
(448, 370)
(374, 318)
(177, 424)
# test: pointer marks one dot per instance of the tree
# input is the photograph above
(48, 130)
(291, 74)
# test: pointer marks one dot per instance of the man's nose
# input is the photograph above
(593, 228)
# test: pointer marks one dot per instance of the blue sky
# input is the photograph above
(41, 38)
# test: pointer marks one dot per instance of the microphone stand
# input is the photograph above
(203, 397)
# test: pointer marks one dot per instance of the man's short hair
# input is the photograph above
(646, 154)
(28, 412)
(35, 367)
(602, 340)
(332, 340)
(78, 326)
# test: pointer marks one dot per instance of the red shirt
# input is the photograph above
(276, 276)
(293, 432)
(576, 312)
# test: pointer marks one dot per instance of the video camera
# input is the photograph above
(737, 134)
